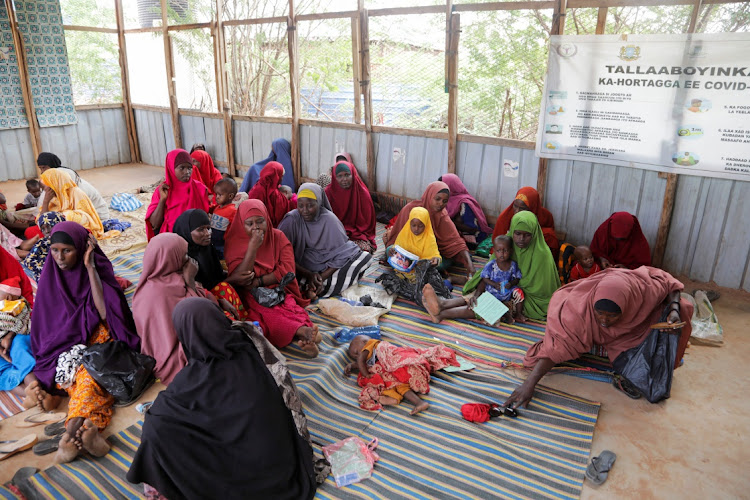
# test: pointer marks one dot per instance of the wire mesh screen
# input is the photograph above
(648, 20)
(315, 6)
(94, 61)
(190, 11)
(195, 73)
(89, 13)
(581, 21)
(407, 71)
(501, 67)
(258, 67)
(717, 18)
(142, 13)
(325, 68)
(251, 9)
(146, 69)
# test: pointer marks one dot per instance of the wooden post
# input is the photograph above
(23, 73)
(291, 26)
(694, 15)
(665, 220)
(601, 20)
(364, 51)
(127, 104)
(452, 84)
(171, 84)
(357, 72)
(222, 85)
(448, 28)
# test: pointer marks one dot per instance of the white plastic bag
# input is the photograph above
(357, 315)
(706, 327)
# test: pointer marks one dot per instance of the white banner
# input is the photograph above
(673, 103)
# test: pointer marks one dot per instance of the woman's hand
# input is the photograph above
(190, 271)
(228, 307)
(348, 369)
(88, 257)
(5, 344)
(435, 261)
(391, 252)
(245, 280)
(673, 317)
(163, 191)
(256, 239)
(49, 193)
(605, 263)
(521, 396)
(316, 280)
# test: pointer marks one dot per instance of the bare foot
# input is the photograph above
(318, 337)
(431, 302)
(305, 339)
(36, 396)
(521, 318)
(91, 440)
(423, 406)
(387, 401)
(458, 280)
(508, 318)
(67, 450)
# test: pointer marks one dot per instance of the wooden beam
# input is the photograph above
(171, 83)
(148, 107)
(260, 20)
(405, 11)
(601, 20)
(328, 15)
(23, 73)
(356, 70)
(73, 27)
(291, 27)
(490, 6)
(135, 152)
(262, 119)
(413, 132)
(89, 107)
(577, 4)
(222, 86)
(497, 141)
(193, 26)
(452, 84)
(665, 220)
(131, 31)
(311, 122)
(694, 15)
(364, 51)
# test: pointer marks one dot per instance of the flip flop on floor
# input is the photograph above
(625, 386)
(598, 470)
(45, 417)
(55, 429)
(10, 448)
(47, 446)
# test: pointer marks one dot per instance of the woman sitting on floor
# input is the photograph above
(180, 192)
(79, 303)
(613, 308)
(63, 196)
(450, 243)
(205, 171)
(465, 212)
(327, 262)
(281, 151)
(351, 202)
(527, 198)
(46, 161)
(11, 243)
(619, 242)
(231, 423)
(37, 256)
(258, 255)
(267, 191)
(168, 277)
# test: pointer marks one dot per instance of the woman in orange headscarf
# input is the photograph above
(63, 196)
(527, 198)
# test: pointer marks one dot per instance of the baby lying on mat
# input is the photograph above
(389, 373)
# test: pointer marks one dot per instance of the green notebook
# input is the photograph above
(489, 308)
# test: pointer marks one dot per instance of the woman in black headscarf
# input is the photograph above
(230, 425)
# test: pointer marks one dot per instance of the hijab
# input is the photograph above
(49, 159)
(424, 245)
(281, 151)
(449, 241)
(630, 250)
(530, 197)
(65, 313)
(275, 254)
(352, 206)
(460, 195)
(34, 262)
(72, 202)
(267, 191)
(208, 173)
(182, 195)
(322, 242)
(540, 276)
(572, 328)
(210, 271)
(224, 416)
(11, 268)
(160, 288)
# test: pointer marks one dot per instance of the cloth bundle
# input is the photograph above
(115, 225)
(125, 202)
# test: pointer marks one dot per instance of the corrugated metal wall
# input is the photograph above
(155, 137)
(16, 156)
(252, 141)
(320, 145)
(207, 131)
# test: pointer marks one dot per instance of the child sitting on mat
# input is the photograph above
(418, 237)
(585, 264)
(388, 373)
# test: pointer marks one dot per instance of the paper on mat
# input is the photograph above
(490, 308)
(462, 367)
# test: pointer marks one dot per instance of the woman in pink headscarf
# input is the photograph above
(465, 211)
(179, 192)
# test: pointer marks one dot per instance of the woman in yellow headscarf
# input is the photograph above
(418, 237)
(63, 196)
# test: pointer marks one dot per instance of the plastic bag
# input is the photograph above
(269, 297)
(369, 296)
(122, 372)
(348, 314)
(706, 327)
(649, 366)
(424, 272)
(345, 335)
(351, 459)
(484, 249)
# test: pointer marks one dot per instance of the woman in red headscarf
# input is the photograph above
(205, 170)
(258, 255)
(450, 243)
(619, 242)
(267, 191)
(180, 192)
(527, 198)
(351, 202)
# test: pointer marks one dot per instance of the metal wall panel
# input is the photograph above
(320, 145)
(406, 164)
(252, 141)
(16, 155)
(155, 136)
(208, 131)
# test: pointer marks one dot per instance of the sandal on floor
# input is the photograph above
(598, 470)
(10, 448)
(44, 417)
(47, 446)
(55, 429)
(625, 386)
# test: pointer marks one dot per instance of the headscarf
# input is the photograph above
(49, 159)
(530, 197)
(209, 174)
(267, 191)
(323, 180)
(160, 289)
(353, 206)
(10, 268)
(72, 202)
(540, 276)
(281, 151)
(449, 241)
(182, 195)
(572, 328)
(227, 404)
(320, 243)
(34, 262)
(65, 313)
(459, 196)
(632, 251)
(210, 271)
(424, 245)
(275, 254)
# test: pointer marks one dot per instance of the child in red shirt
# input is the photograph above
(223, 212)
(586, 264)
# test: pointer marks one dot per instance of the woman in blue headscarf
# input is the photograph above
(281, 151)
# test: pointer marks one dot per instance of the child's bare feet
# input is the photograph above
(66, 450)
(387, 401)
(431, 303)
(508, 318)
(521, 318)
(91, 440)
(422, 406)
(305, 339)
(36, 396)
(318, 337)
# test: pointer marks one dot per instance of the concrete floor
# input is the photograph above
(695, 445)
